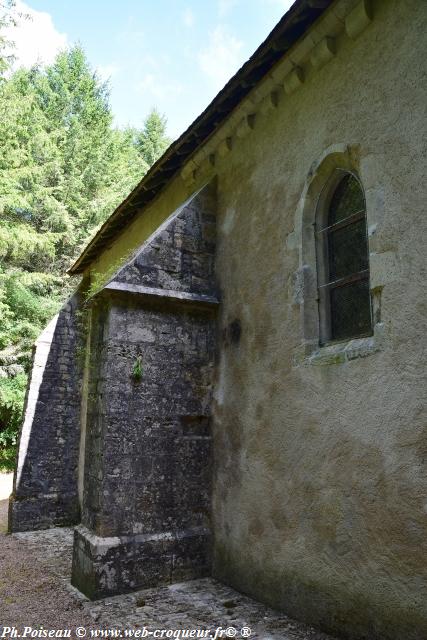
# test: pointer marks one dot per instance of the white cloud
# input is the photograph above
(107, 71)
(130, 36)
(225, 6)
(159, 89)
(188, 17)
(222, 57)
(35, 36)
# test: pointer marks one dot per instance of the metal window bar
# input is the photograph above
(355, 217)
(353, 277)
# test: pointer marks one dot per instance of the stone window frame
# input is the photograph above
(322, 259)
(343, 158)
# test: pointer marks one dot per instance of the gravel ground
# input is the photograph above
(35, 591)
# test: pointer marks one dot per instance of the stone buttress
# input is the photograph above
(45, 492)
(147, 442)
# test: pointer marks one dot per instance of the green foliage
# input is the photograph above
(100, 279)
(152, 140)
(137, 369)
(63, 170)
(29, 301)
(12, 393)
(6, 19)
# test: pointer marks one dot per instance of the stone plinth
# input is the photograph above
(107, 566)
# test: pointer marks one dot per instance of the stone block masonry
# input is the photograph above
(147, 462)
(181, 255)
(45, 485)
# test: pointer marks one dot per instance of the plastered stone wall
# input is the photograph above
(45, 484)
(319, 456)
(147, 477)
(320, 478)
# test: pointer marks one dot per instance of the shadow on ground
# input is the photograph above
(35, 590)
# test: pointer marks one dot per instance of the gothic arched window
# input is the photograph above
(343, 260)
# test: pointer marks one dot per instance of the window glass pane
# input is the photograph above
(351, 310)
(348, 250)
(347, 199)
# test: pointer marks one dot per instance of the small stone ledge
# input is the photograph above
(151, 293)
(358, 19)
(99, 545)
(323, 52)
(293, 80)
(341, 352)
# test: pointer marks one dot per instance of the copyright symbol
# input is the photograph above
(245, 632)
(231, 632)
(80, 632)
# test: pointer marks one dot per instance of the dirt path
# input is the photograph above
(35, 591)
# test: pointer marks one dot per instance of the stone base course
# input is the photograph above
(34, 513)
(109, 566)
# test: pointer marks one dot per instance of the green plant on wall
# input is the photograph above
(137, 369)
(99, 280)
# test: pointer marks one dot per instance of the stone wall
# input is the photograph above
(319, 456)
(181, 254)
(45, 486)
(319, 475)
(147, 482)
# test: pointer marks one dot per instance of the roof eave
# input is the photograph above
(294, 24)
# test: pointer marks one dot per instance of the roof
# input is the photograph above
(291, 28)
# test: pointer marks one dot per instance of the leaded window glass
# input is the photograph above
(344, 294)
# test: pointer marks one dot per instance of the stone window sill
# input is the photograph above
(344, 351)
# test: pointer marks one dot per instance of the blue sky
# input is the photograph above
(171, 54)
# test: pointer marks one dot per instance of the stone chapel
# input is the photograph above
(237, 387)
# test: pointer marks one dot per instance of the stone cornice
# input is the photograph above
(151, 294)
(310, 53)
(305, 40)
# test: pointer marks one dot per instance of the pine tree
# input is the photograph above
(63, 170)
(152, 140)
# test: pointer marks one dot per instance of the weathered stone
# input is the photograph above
(45, 486)
(147, 482)
(107, 566)
(319, 483)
